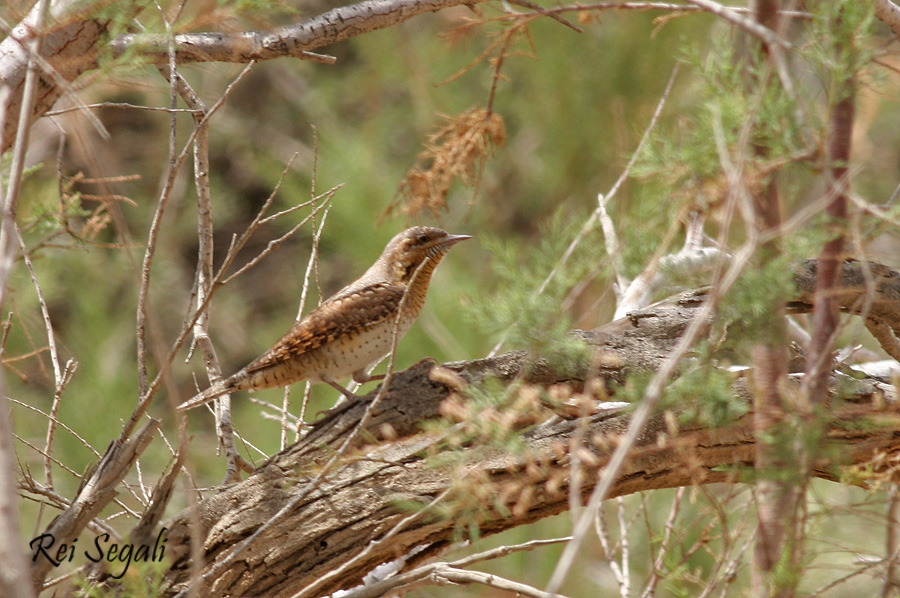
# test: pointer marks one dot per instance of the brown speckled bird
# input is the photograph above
(352, 329)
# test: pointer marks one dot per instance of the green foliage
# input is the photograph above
(49, 216)
(750, 303)
(840, 43)
(144, 579)
(119, 19)
(517, 311)
(633, 389)
(488, 419)
(373, 109)
(657, 211)
(704, 394)
(27, 172)
(797, 442)
(686, 159)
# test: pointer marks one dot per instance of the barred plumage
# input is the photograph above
(353, 328)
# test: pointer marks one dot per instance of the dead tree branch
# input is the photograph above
(360, 501)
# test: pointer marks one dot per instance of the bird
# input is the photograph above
(352, 329)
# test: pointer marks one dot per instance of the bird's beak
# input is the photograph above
(451, 240)
(442, 246)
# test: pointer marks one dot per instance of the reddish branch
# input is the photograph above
(778, 499)
(825, 313)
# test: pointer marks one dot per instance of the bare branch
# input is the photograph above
(365, 492)
(235, 463)
(735, 18)
(889, 14)
(825, 322)
(117, 105)
(150, 390)
(14, 577)
(292, 41)
(311, 266)
(674, 7)
(14, 573)
(98, 489)
(401, 474)
(892, 546)
(648, 403)
(69, 46)
(444, 575)
(362, 555)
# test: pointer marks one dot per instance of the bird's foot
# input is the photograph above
(347, 394)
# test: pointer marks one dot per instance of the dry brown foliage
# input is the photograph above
(455, 151)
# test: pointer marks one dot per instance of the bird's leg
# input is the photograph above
(361, 377)
(349, 395)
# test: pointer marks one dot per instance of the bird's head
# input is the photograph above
(408, 250)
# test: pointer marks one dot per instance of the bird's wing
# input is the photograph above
(337, 317)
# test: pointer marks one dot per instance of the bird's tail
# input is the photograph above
(215, 391)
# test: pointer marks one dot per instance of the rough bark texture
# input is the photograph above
(328, 28)
(69, 48)
(360, 501)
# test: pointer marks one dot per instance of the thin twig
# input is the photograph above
(502, 551)
(58, 422)
(54, 361)
(409, 579)
(656, 575)
(373, 545)
(147, 393)
(651, 397)
(7, 325)
(589, 224)
(276, 243)
(150, 249)
(28, 484)
(601, 530)
(118, 105)
(644, 6)
(540, 10)
(311, 266)
(235, 463)
(892, 545)
(51, 338)
(16, 580)
(625, 588)
(444, 574)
